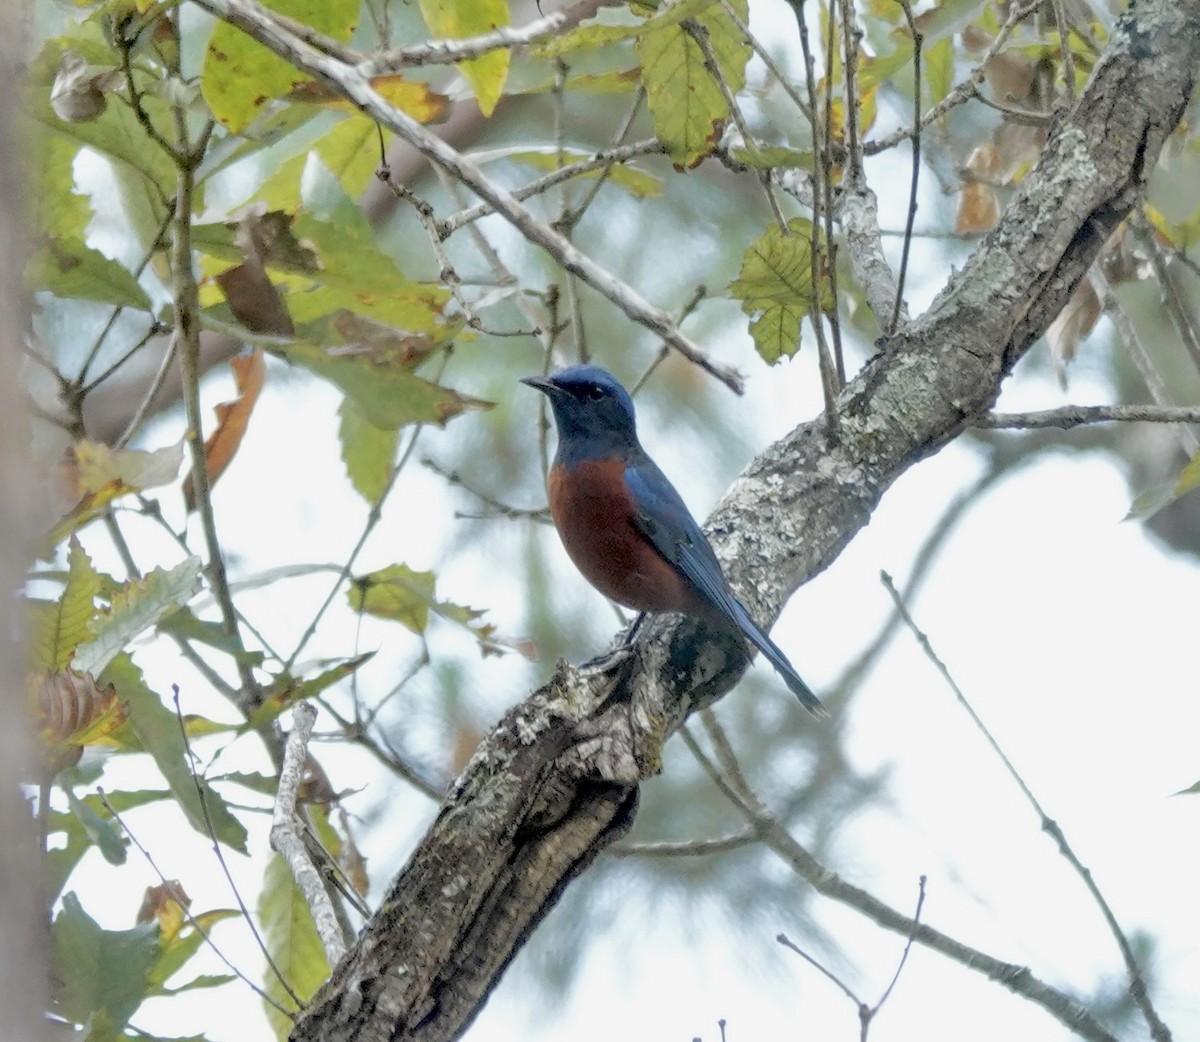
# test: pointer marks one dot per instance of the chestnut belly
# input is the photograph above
(594, 513)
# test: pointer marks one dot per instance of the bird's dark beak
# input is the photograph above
(541, 383)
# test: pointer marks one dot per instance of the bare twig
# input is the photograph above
(1064, 47)
(1137, 984)
(191, 919)
(964, 91)
(351, 84)
(1188, 439)
(1069, 416)
(916, 164)
(688, 847)
(202, 796)
(286, 836)
(446, 52)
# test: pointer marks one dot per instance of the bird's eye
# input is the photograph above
(594, 393)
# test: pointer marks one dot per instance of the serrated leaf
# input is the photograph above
(456, 19)
(369, 452)
(136, 606)
(58, 631)
(99, 970)
(287, 690)
(157, 728)
(400, 594)
(396, 593)
(71, 268)
(389, 396)
(685, 101)
(776, 289)
(240, 76)
(292, 940)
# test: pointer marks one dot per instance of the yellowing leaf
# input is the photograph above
(424, 104)
(685, 101)
(241, 76)
(389, 395)
(291, 938)
(59, 627)
(455, 19)
(369, 452)
(775, 286)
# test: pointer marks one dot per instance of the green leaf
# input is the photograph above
(184, 623)
(396, 593)
(1152, 500)
(937, 62)
(369, 452)
(157, 728)
(174, 952)
(103, 832)
(63, 213)
(241, 76)
(388, 395)
(71, 268)
(291, 938)
(350, 152)
(601, 30)
(59, 627)
(773, 157)
(137, 605)
(286, 691)
(399, 594)
(99, 970)
(685, 101)
(776, 290)
(455, 19)
(1189, 791)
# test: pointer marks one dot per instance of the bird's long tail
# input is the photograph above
(780, 661)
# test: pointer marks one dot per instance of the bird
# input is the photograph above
(624, 525)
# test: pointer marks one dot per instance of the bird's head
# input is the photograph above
(590, 407)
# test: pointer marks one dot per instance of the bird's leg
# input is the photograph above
(611, 659)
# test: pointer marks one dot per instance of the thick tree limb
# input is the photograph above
(556, 781)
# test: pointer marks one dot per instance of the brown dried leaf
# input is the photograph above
(165, 903)
(1072, 324)
(249, 372)
(416, 99)
(978, 209)
(73, 711)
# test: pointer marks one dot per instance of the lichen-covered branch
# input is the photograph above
(556, 781)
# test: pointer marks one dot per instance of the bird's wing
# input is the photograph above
(664, 519)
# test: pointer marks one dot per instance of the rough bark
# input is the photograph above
(556, 781)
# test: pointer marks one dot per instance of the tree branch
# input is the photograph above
(556, 781)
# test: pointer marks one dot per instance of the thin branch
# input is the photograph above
(845, 988)
(191, 919)
(1176, 307)
(147, 402)
(350, 83)
(1017, 979)
(782, 78)
(445, 52)
(964, 91)
(1137, 984)
(202, 796)
(688, 847)
(1064, 47)
(287, 841)
(1188, 440)
(917, 40)
(1069, 416)
(602, 160)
